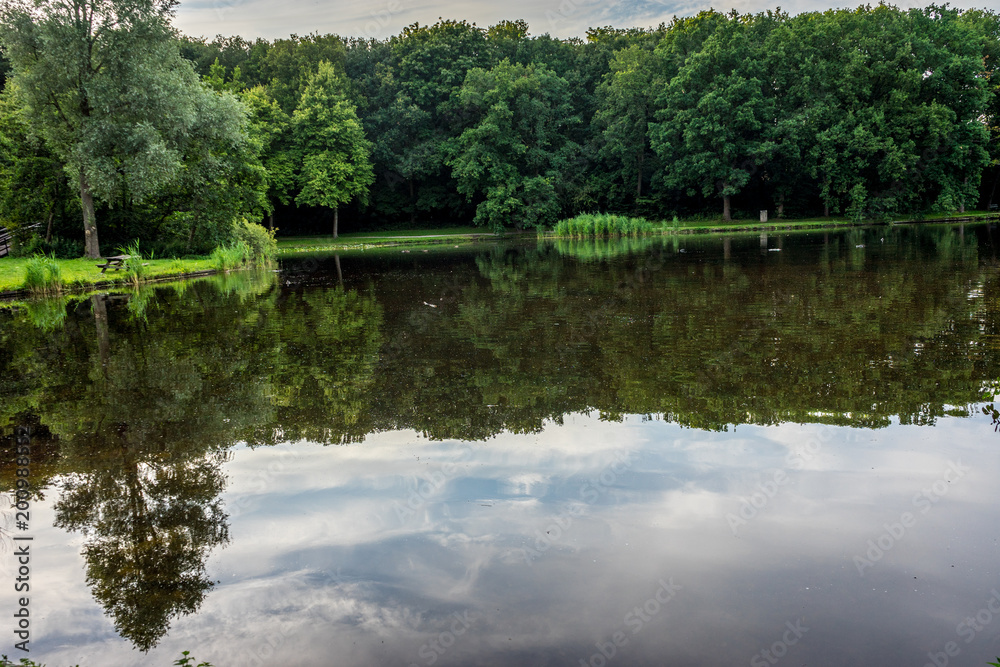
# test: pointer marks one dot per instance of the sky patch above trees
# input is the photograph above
(384, 18)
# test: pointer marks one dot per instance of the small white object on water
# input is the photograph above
(430, 304)
(774, 249)
(860, 245)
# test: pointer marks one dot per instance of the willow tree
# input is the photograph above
(105, 86)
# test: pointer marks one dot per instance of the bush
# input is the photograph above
(260, 242)
(58, 247)
(42, 275)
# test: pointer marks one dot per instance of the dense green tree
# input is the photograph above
(271, 129)
(627, 104)
(33, 187)
(74, 63)
(335, 155)
(713, 126)
(516, 153)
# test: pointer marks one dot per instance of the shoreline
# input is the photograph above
(375, 241)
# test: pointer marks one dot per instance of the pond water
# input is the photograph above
(695, 451)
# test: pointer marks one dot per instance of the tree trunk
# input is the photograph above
(98, 304)
(826, 210)
(336, 221)
(781, 207)
(270, 221)
(638, 181)
(993, 191)
(92, 247)
(726, 212)
(413, 204)
(48, 228)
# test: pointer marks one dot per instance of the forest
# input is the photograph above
(174, 140)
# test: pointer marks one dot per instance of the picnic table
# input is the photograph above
(117, 262)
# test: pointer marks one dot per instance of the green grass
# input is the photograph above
(587, 225)
(79, 273)
(599, 225)
(42, 275)
(359, 239)
(229, 257)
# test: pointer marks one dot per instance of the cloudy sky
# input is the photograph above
(382, 18)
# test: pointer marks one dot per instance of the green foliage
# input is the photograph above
(174, 141)
(231, 256)
(42, 275)
(335, 165)
(605, 224)
(261, 245)
(136, 271)
(516, 155)
(47, 314)
(187, 661)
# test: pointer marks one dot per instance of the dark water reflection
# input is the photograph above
(664, 452)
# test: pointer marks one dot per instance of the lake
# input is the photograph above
(776, 449)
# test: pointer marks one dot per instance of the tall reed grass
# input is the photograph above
(232, 256)
(606, 224)
(42, 275)
(136, 272)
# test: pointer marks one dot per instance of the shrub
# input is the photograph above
(260, 242)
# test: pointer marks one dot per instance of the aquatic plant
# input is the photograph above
(605, 224)
(231, 256)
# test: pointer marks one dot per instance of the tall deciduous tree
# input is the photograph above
(106, 87)
(714, 122)
(335, 155)
(517, 153)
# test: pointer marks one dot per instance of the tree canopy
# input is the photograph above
(870, 113)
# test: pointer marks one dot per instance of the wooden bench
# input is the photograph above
(117, 263)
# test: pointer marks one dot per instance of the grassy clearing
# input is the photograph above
(78, 273)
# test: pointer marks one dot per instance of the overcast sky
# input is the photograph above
(383, 18)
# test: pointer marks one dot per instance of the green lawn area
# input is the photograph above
(359, 240)
(716, 223)
(78, 273)
(354, 239)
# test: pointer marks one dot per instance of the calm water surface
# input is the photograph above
(705, 451)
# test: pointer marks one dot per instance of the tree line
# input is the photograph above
(867, 113)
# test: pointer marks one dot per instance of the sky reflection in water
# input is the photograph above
(548, 546)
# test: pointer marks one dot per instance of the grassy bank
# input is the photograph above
(597, 225)
(356, 240)
(74, 274)
(588, 225)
